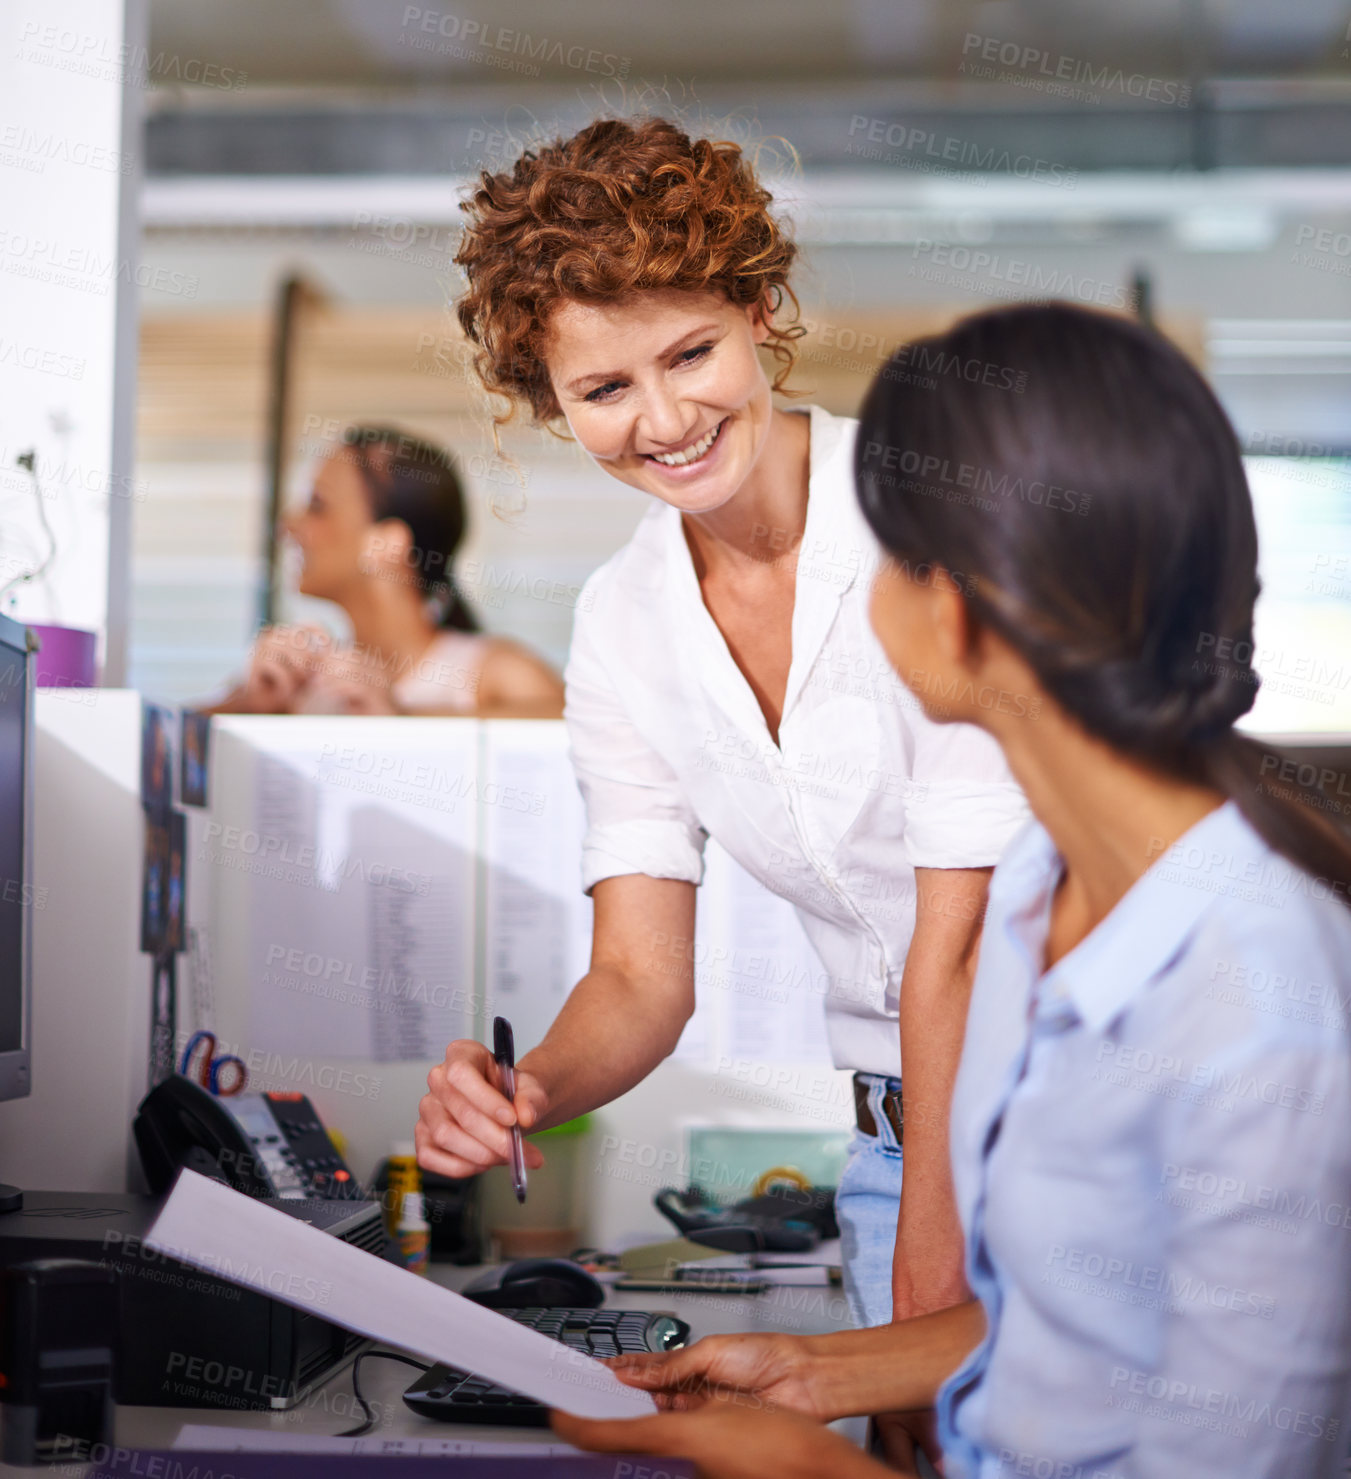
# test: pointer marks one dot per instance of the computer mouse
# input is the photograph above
(536, 1283)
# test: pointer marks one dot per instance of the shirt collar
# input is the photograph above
(1149, 925)
(836, 541)
(837, 546)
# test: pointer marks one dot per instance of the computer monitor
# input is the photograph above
(16, 858)
(1302, 627)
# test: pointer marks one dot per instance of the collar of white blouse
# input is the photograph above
(831, 556)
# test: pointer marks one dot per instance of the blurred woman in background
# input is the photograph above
(378, 537)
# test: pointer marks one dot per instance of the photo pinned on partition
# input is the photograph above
(195, 752)
(174, 932)
(155, 885)
(157, 758)
(163, 1015)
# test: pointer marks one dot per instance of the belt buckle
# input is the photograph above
(892, 1108)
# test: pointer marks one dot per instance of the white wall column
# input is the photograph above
(74, 80)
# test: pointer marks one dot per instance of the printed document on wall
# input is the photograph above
(758, 983)
(537, 921)
(362, 910)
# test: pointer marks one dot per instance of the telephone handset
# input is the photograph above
(265, 1145)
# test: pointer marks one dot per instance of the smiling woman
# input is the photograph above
(683, 418)
(724, 681)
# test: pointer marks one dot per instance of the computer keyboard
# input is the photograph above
(453, 1396)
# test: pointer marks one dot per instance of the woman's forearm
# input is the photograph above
(627, 1013)
(609, 1035)
(891, 1368)
(935, 991)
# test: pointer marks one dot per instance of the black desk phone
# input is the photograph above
(265, 1145)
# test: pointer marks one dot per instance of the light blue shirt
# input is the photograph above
(1151, 1147)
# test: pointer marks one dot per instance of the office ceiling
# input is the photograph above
(394, 44)
(415, 87)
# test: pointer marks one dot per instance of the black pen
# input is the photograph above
(504, 1050)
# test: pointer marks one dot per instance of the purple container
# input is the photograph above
(66, 658)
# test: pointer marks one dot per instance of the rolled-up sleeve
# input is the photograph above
(964, 807)
(638, 819)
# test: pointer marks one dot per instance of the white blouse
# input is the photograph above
(670, 747)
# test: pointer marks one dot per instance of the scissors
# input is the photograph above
(209, 1070)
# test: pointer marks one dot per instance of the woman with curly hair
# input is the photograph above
(724, 681)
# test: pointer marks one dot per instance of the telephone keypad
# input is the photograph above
(292, 1147)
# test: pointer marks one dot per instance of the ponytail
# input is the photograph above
(449, 610)
(1288, 814)
(415, 482)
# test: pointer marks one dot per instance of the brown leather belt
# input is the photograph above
(891, 1108)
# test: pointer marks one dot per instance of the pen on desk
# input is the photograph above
(748, 1283)
(504, 1050)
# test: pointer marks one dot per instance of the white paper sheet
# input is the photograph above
(770, 975)
(537, 921)
(205, 1438)
(757, 979)
(362, 905)
(701, 1041)
(211, 1227)
(399, 882)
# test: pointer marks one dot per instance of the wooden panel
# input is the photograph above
(203, 375)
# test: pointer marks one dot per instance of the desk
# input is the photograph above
(331, 1408)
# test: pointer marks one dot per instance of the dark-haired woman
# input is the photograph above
(1150, 1125)
(378, 538)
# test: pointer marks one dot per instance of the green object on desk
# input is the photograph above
(727, 1161)
(579, 1126)
(551, 1221)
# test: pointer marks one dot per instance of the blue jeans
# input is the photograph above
(867, 1204)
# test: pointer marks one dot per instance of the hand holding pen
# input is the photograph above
(504, 1051)
(466, 1118)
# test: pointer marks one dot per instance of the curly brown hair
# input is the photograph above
(621, 207)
